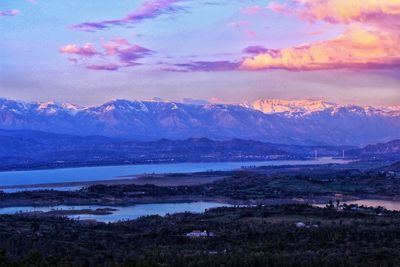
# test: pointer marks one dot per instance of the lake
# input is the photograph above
(387, 204)
(12, 178)
(124, 212)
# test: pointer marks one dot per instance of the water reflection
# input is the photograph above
(387, 204)
(123, 213)
(10, 178)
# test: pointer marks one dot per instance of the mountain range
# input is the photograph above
(305, 122)
(306, 107)
(27, 149)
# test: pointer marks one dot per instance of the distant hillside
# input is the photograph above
(394, 167)
(387, 151)
(288, 122)
(392, 147)
(34, 148)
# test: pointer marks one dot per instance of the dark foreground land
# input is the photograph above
(253, 235)
(247, 236)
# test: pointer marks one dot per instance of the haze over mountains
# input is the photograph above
(277, 121)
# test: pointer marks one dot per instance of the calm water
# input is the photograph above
(387, 204)
(58, 188)
(114, 172)
(125, 213)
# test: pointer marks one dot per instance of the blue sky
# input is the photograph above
(176, 49)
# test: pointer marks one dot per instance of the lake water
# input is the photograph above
(387, 204)
(125, 213)
(58, 188)
(12, 178)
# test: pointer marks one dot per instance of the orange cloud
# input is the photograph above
(371, 39)
(347, 11)
(356, 47)
(88, 50)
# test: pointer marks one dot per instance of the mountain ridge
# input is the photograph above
(153, 120)
(27, 149)
(307, 106)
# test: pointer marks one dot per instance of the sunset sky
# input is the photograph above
(91, 51)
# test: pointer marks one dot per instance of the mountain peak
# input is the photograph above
(288, 106)
(287, 121)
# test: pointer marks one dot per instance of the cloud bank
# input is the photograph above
(371, 39)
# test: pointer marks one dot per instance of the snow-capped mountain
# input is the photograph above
(307, 107)
(277, 121)
(290, 107)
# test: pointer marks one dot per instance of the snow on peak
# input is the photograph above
(270, 106)
(52, 108)
(306, 107)
(71, 107)
(45, 105)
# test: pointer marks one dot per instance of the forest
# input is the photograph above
(287, 235)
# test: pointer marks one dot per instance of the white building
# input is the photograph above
(300, 225)
(199, 234)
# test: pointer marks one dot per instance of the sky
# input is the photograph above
(225, 51)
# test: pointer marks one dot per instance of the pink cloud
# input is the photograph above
(117, 53)
(276, 7)
(88, 50)
(148, 10)
(112, 47)
(10, 13)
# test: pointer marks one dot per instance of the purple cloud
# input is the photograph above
(255, 50)
(131, 54)
(117, 53)
(206, 66)
(109, 67)
(9, 13)
(149, 9)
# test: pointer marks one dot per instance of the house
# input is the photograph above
(199, 234)
(300, 225)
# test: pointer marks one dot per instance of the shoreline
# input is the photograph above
(197, 198)
(116, 164)
(129, 177)
(196, 178)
